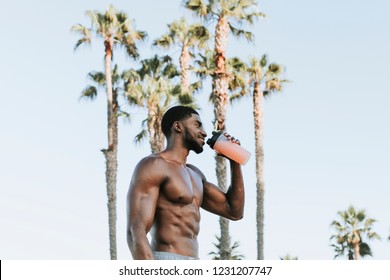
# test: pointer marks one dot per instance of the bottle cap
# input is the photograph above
(211, 141)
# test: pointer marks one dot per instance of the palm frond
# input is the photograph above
(141, 136)
(233, 254)
(274, 70)
(199, 35)
(373, 235)
(171, 71)
(97, 77)
(235, 97)
(196, 87)
(90, 92)
(288, 258)
(199, 7)
(365, 250)
(124, 115)
(185, 99)
(131, 49)
(134, 94)
(204, 64)
(84, 32)
(165, 41)
(241, 33)
(131, 75)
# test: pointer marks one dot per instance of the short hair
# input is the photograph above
(176, 113)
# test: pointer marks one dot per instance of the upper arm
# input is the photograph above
(143, 194)
(214, 199)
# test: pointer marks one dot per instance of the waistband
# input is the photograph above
(170, 256)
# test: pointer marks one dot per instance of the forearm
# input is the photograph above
(235, 194)
(139, 246)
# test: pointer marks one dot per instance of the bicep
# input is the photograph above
(214, 199)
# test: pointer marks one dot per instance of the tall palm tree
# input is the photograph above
(272, 83)
(205, 66)
(188, 37)
(152, 87)
(353, 227)
(116, 29)
(227, 14)
(263, 78)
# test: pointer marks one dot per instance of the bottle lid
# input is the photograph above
(211, 141)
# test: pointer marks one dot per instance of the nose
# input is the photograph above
(204, 134)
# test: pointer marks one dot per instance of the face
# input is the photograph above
(194, 134)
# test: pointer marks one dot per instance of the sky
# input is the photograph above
(326, 135)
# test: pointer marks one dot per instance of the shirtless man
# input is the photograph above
(165, 193)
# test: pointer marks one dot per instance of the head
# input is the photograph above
(186, 121)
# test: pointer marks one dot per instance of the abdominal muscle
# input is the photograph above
(176, 228)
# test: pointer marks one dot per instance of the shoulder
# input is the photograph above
(151, 160)
(197, 171)
(151, 166)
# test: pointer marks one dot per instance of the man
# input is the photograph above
(166, 193)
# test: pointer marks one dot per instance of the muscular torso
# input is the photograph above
(177, 217)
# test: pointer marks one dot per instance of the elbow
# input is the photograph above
(236, 216)
(235, 213)
(131, 236)
(130, 241)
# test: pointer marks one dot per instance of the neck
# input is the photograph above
(176, 151)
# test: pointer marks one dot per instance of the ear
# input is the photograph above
(178, 127)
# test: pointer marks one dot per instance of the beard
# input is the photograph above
(191, 143)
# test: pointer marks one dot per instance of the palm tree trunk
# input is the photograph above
(258, 121)
(220, 101)
(221, 37)
(355, 244)
(184, 65)
(111, 153)
(225, 248)
(156, 137)
(220, 96)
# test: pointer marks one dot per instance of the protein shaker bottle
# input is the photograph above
(232, 150)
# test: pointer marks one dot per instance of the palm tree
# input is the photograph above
(350, 231)
(256, 75)
(289, 258)
(188, 37)
(233, 254)
(116, 29)
(226, 13)
(263, 78)
(151, 87)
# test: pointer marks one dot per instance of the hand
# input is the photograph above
(231, 138)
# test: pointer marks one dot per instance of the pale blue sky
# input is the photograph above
(326, 135)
